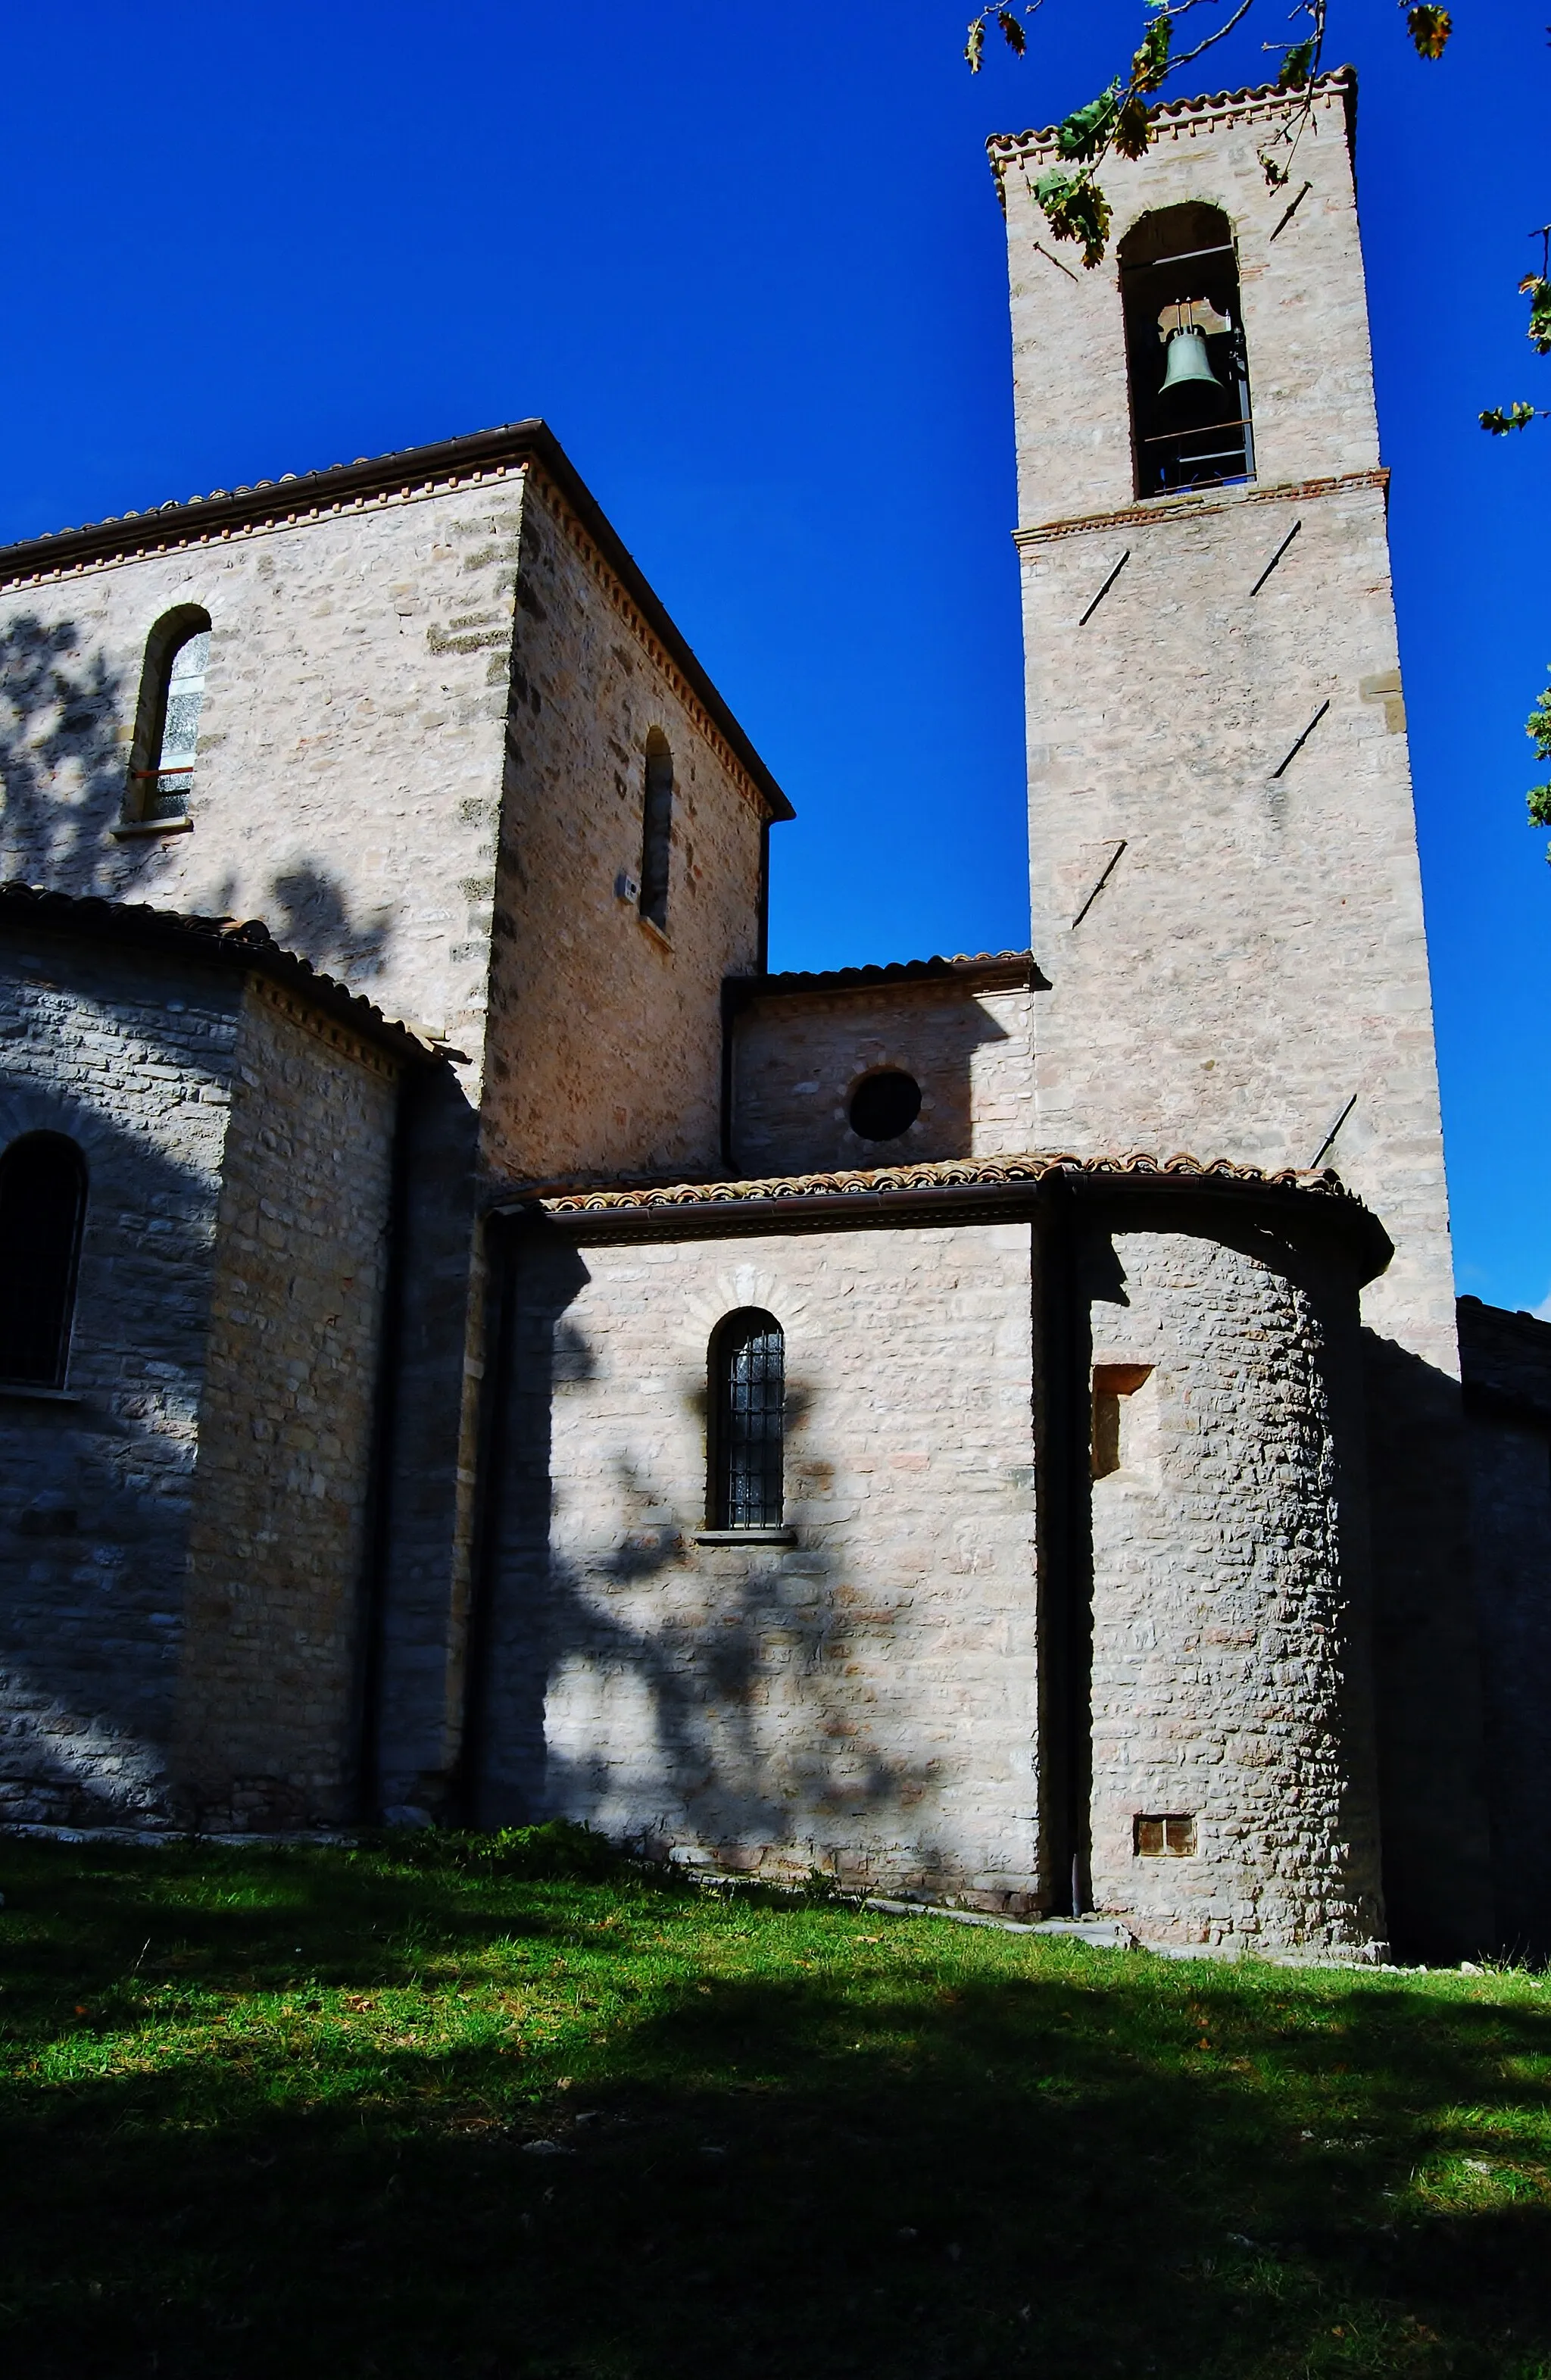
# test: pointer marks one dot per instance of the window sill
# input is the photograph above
(134, 828)
(782, 1536)
(24, 1393)
(658, 933)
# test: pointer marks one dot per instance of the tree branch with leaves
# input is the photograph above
(1536, 286)
(1071, 194)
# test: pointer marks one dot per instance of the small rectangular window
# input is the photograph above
(1164, 1837)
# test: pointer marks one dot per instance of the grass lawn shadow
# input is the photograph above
(357, 2114)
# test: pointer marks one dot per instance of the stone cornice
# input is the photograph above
(484, 458)
(1149, 512)
(1178, 119)
(717, 726)
(310, 1018)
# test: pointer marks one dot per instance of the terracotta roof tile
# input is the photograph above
(954, 1172)
(986, 969)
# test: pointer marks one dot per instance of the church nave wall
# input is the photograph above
(860, 1697)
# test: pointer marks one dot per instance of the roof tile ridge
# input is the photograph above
(249, 936)
(886, 966)
(1335, 81)
(258, 487)
(555, 1198)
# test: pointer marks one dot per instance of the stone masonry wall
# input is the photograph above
(799, 1056)
(862, 1699)
(350, 743)
(1230, 1678)
(1507, 1384)
(268, 1693)
(1257, 958)
(131, 1056)
(608, 1050)
(1304, 307)
(347, 791)
(1252, 982)
(365, 729)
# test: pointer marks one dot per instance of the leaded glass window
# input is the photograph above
(181, 727)
(748, 1369)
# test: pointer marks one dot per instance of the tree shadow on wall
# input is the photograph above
(93, 1492)
(746, 1727)
(308, 910)
(61, 764)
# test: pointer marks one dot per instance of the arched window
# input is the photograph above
(657, 838)
(748, 1398)
(1190, 392)
(42, 1204)
(167, 717)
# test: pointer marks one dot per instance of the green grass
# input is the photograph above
(425, 2110)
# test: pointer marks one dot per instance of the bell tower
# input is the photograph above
(1224, 881)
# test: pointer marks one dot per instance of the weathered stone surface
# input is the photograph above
(180, 1559)
(133, 1061)
(606, 1033)
(862, 1700)
(800, 1056)
(269, 1715)
(350, 743)
(421, 762)
(1230, 1681)
(1252, 981)
(1507, 1360)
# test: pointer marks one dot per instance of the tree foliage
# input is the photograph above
(1537, 727)
(1072, 199)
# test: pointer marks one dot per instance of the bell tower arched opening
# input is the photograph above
(1185, 358)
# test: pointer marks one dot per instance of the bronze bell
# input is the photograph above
(1188, 361)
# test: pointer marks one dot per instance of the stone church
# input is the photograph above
(476, 1345)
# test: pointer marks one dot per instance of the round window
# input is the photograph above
(884, 1104)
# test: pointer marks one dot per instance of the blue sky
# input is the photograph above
(749, 265)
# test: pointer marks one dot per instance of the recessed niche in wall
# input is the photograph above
(1111, 1382)
(885, 1105)
(1164, 1837)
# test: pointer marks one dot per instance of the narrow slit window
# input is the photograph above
(1185, 355)
(657, 839)
(43, 1205)
(167, 721)
(748, 1383)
